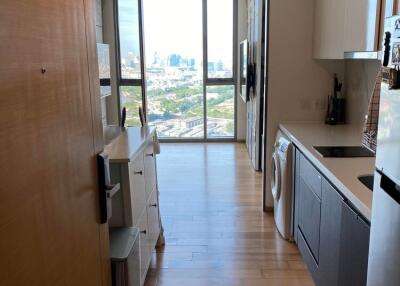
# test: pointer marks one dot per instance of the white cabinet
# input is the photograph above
(362, 23)
(134, 189)
(329, 29)
(346, 26)
(137, 204)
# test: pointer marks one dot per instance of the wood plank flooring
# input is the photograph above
(216, 232)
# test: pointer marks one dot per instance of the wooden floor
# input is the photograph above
(216, 232)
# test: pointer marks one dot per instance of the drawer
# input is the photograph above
(145, 254)
(307, 256)
(153, 220)
(309, 217)
(150, 169)
(137, 188)
(310, 175)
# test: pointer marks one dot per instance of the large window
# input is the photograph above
(190, 68)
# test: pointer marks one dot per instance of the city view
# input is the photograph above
(174, 77)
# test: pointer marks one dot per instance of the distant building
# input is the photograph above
(174, 60)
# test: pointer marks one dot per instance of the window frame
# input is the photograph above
(125, 81)
(207, 81)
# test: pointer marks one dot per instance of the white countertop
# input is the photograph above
(341, 172)
(128, 144)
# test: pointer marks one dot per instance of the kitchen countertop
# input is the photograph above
(341, 172)
(128, 144)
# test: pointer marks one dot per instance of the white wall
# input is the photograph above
(298, 85)
(360, 78)
(242, 35)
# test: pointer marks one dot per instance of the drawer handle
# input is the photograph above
(143, 231)
(138, 173)
(150, 155)
(153, 205)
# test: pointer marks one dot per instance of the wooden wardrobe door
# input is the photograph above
(50, 133)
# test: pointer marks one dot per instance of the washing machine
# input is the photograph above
(281, 184)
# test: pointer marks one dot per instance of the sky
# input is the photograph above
(175, 27)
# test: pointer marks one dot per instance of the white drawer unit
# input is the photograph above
(133, 165)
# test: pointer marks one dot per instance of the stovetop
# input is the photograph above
(343, 151)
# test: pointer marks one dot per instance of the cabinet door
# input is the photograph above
(150, 169)
(137, 189)
(309, 217)
(296, 194)
(362, 20)
(354, 248)
(145, 254)
(153, 220)
(331, 213)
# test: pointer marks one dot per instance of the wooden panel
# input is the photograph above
(331, 215)
(48, 140)
(91, 17)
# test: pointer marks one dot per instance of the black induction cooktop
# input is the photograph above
(343, 151)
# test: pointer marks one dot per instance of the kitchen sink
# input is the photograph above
(368, 181)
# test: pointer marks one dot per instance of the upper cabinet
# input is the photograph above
(361, 25)
(346, 26)
(328, 29)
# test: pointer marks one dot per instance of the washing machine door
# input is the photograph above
(276, 177)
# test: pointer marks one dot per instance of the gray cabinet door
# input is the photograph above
(354, 247)
(309, 217)
(331, 215)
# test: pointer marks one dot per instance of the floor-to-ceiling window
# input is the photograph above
(219, 23)
(130, 59)
(189, 66)
(174, 67)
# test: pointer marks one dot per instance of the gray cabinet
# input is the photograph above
(309, 217)
(332, 237)
(331, 216)
(354, 248)
(308, 212)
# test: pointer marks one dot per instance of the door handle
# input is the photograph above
(150, 155)
(138, 173)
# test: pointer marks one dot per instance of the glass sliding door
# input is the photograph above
(174, 71)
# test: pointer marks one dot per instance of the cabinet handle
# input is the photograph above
(143, 231)
(153, 205)
(138, 173)
(150, 155)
